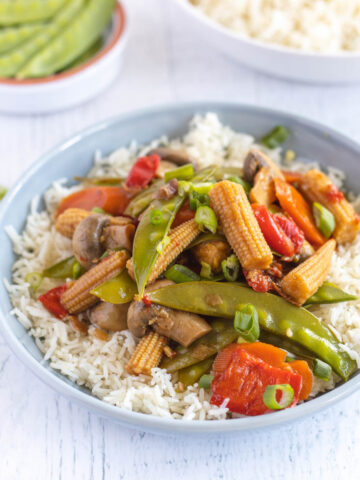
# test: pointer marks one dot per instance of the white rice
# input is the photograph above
(327, 26)
(100, 365)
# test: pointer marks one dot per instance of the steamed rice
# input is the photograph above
(99, 365)
(327, 26)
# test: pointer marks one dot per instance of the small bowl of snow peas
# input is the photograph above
(58, 53)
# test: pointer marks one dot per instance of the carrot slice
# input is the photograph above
(272, 355)
(295, 205)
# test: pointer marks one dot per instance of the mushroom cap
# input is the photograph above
(109, 316)
(86, 242)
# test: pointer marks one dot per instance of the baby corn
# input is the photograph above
(230, 203)
(304, 280)
(67, 222)
(147, 354)
(77, 297)
(317, 187)
(179, 238)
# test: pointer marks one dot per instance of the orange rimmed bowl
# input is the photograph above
(72, 87)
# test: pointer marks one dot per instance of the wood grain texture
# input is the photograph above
(44, 436)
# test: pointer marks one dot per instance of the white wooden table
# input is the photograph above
(44, 436)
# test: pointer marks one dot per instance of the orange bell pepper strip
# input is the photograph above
(113, 200)
(293, 203)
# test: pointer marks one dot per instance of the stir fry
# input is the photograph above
(213, 270)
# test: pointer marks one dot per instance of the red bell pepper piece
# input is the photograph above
(143, 171)
(288, 226)
(51, 301)
(113, 200)
(275, 237)
(242, 377)
(183, 215)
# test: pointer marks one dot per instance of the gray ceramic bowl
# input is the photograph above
(75, 156)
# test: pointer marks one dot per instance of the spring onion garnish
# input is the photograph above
(205, 381)
(98, 210)
(34, 279)
(246, 323)
(3, 192)
(77, 270)
(162, 244)
(206, 271)
(270, 395)
(206, 219)
(197, 200)
(276, 137)
(324, 219)
(202, 188)
(321, 370)
(184, 187)
(186, 172)
(156, 217)
(240, 181)
(181, 274)
(231, 268)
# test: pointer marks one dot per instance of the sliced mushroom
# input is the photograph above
(256, 159)
(164, 167)
(263, 191)
(109, 316)
(86, 240)
(115, 236)
(178, 157)
(183, 327)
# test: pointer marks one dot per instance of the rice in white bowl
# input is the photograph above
(327, 26)
(100, 365)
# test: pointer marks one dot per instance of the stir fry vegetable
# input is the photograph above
(276, 137)
(275, 315)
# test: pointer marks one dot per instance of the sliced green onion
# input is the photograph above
(34, 279)
(206, 271)
(156, 217)
(203, 188)
(206, 219)
(3, 192)
(270, 394)
(77, 270)
(205, 381)
(186, 172)
(321, 370)
(181, 274)
(184, 187)
(98, 210)
(198, 200)
(240, 181)
(324, 219)
(276, 137)
(231, 268)
(246, 323)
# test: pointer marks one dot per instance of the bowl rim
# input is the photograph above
(118, 34)
(141, 420)
(271, 47)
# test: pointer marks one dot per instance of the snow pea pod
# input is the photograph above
(149, 237)
(139, 203)
(12, 37)
(329, 293)
(15, 12)
(68, 268)
(87, 55)
(203, 348)
(12, 62)
(190, 375)
(71, 42)
(275, 315)
(120, 289)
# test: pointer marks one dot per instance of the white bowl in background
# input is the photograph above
(276, 60)
(72, 87)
